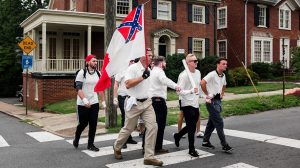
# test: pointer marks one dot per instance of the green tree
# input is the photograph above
(12, 13)
(296, 60)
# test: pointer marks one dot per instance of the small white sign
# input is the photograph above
(180, 51)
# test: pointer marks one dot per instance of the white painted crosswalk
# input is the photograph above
(44, 136)
(240, 165)
(109, 150)
(3, 143)
(168, 159)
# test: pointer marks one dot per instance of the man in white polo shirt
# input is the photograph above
(213, 86)
(138, 104)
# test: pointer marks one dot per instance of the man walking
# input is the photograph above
(138, 104)
(213, 86)
(158, 93)
(189, 97)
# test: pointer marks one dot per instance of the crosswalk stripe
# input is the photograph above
(3, 143)
(168, 159)
(109, 149)
(101, 138)
(259, 137)
(240, 165)
(44, 136)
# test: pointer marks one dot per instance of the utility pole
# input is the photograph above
(283, 76)
(110, 25)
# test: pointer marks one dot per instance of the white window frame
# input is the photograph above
(262, 39)
(73, 5)
(218, 17)
(169, 8)
(285, 8)
(123, 15)
(36, 90)
(264, 17)
(225, 47)
(203, 46)
(203, 14)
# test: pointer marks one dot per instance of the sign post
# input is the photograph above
(27, 45)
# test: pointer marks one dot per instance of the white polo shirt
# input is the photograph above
(140, 91)
(214, 82)
(120, 78)
(159, 83)
(88, 85)
(187, 98)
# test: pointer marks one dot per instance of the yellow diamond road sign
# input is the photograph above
(27, 45)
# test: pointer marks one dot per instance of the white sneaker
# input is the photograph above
(199, 134)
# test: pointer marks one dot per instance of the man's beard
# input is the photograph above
(93, 67)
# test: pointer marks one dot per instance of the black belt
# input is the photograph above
(217, 96)
(141, 100)
(157, 99)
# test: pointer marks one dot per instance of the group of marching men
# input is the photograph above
(142, 92)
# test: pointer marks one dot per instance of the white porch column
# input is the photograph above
(33, 37)
(89, 40)
(44, 47)
(173, 46)
(156, 45)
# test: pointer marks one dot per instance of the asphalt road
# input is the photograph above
(265, 140)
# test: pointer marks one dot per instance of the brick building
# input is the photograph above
(70, 29)
(257, 30)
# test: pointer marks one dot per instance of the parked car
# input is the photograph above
(19, 94)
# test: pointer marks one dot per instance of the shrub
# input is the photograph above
(207, 65)
(240, 76)
(262, 69)
(174, 66)
(296, 60)
(276, 69)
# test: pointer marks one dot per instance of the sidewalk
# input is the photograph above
(65, 124)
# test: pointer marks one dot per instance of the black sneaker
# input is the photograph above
(75, 143)
(93, 148)
(176, 139)
(124, 146)
(131, 141)
(194, 153)
(208, 145)
(227, 148)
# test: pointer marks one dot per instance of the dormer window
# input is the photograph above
(285, 17)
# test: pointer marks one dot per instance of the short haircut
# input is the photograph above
(221, 59)
(188, 57)
(158, 59)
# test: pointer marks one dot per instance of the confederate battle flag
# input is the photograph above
(127, 43)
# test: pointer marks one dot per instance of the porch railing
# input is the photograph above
(60, 65)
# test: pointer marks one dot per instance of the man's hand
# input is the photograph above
(196, 90)
(86, 103)
(103, 104)
(208, 98)
(116, 102)
(177, 88)
(146, 74)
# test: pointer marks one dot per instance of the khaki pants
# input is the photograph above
(145, 110)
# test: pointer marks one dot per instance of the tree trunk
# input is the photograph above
(110, 25)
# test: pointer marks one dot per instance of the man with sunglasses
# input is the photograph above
(213, 86)
(189, 97)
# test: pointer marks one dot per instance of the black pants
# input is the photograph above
(121, 100)
(161, 110)
(191, 115)
(87, 116)
(215, 121)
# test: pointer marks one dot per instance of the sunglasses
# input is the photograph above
(195, 61)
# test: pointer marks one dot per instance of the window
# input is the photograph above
(75, 48)
(285, 18)
(198, 14)
(198, 47)
(123, 7)
(222, 48)
(262, 16)
(164, 10)
(262, 50)
(222, 17)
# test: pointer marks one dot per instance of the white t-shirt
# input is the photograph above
(187, 98)
(214, 83)
(159, 83)
(120, 78)
(88, 85)
(140, 91)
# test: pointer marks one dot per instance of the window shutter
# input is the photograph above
(267, 17)
(174, 10)
(207, 14)
(190, 45)
(154, 9)
(190, 12)
(135, 3)
(256, 15)
(206, 46)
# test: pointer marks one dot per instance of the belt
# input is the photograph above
(157, 99)
(217, 96)
(142, 100)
